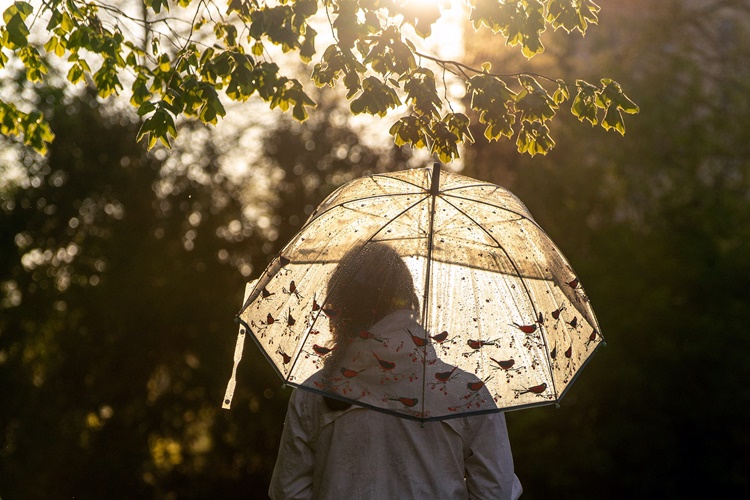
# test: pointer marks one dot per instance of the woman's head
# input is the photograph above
(370, 282)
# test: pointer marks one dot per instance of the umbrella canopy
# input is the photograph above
(424, 294)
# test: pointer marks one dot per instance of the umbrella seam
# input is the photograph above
(373, 176)
(473, 200)
(354, 200)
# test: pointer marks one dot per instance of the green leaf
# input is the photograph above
(448, 133)
(534, 138)
(54, 20)
(66, 23)
(612, 92)
(37, 132)
(572, 15)
(164, 63)
(158, 127)
(212, 108)
(458, 124)
(613, 119)
(16, 32)
(421, 17)
(146, 107)
(156, 5)
(421, 92)
(346, 24)
(491, 98)
(20, 9)
(107, 80)
(409, 130)
(307, 48)
(140, 92)
(376, 98)
(444, 142)
(33, 127)
(584, 105)
(562, 93)
(53, 45)
(353, 83)
(534, 103)
(35, 67)
(290, 94)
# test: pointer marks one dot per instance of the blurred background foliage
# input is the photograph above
(121, 271)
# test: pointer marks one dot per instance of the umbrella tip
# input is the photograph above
(435, 186)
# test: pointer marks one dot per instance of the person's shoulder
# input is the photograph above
(471, 425)
(303, 398)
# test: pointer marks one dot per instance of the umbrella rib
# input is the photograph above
(482, 184)
(482, 202)
(375, 178)
(397, 179)
(392, 219)
(428, 272)
(523, 282)
(364, 198)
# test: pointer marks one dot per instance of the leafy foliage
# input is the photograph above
(175, 71)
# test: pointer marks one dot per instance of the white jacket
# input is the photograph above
(364, 454)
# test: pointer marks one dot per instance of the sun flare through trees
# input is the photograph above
(187, 58)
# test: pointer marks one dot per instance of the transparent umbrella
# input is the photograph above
(424, 294)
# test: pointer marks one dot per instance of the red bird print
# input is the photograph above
(290, 321)
(265, 293)
(365, 335)
(505, 364)
(569, 352)
(445, 376)
(418, 341)
(346, 372)
(385, 365)
(283, 260)
(292, 290)
(537, 389)
(475, 386)
(322, 351)
(440, 337)
(408, 402)
(592, 337)
(476, 344)
(270, 320)
(574, 283)
(526, 328)
(315, 305)
(574, 322)
(556, 312)
(284, 356)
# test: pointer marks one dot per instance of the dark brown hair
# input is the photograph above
(370, 282)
